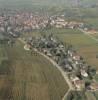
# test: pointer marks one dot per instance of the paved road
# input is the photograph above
(64, 74)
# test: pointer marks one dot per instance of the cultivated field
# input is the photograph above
(89, 53)
(31, 77)
(77, 40)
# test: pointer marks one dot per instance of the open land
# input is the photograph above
(30, 77)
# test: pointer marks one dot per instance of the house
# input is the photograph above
(74, 78)
(79, 84)
(84, 73)
(47, 52)
(56, 58)
(70, 53)
(76, 57)
(68, 67)
(27, 47)
(74, 66)
(61, 46)
(58, 22)
(81, 25)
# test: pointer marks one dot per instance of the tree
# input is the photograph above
(91, 72)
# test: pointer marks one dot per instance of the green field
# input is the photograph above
(31, 77)
(77, 40)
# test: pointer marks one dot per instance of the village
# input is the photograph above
(20, 22)
(63, 54)
(80, 74)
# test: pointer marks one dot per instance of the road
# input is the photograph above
(64, 74)
(86, 33)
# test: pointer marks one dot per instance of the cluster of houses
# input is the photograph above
(19, 22)
(67, 58)
(91, 31)
(59, 22)
(14, 24)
